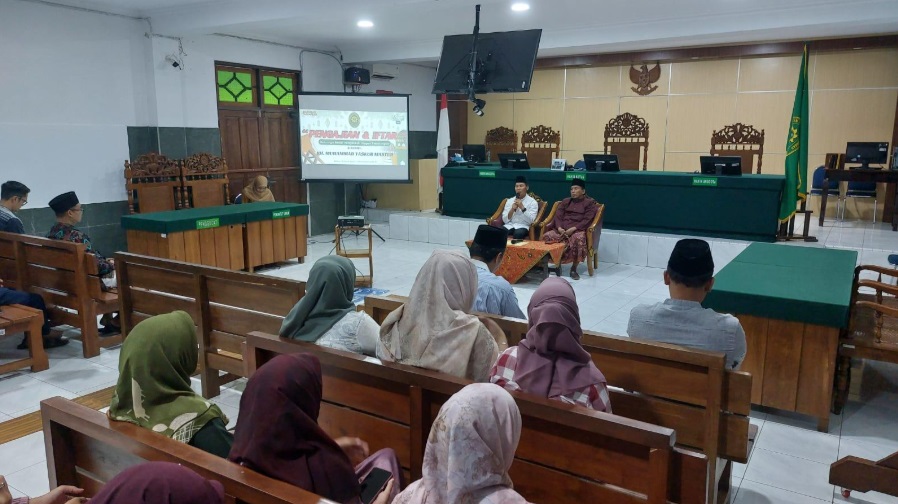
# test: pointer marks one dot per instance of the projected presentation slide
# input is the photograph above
(354, 137)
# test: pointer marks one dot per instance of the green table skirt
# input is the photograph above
(743, 207)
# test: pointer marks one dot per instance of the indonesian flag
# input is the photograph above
(442, 140)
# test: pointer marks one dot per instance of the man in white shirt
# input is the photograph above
(520, 211)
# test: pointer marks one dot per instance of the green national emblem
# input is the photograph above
(354, 120)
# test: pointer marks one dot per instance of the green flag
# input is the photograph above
(797, 146)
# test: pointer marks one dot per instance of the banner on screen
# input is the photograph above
(353, 137)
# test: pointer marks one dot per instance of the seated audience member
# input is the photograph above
(326, 314)
(64, 494)
(494, 294)
(68, 213)
(257, 191)
(153, 389)
(681, 320)
(435, 329)
(572, 218)
(278, 435)
(550, 361)
(470, 450)
(519, 212)
(159, 483)
(52, 338)
(13, 196)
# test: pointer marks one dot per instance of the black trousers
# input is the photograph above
(12, 296)
(518, 233)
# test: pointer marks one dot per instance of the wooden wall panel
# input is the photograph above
(784, 341)
(594, 82)
(703, 77)
(777, 73)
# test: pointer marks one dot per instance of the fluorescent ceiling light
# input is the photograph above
(520, 7)
(365, 24)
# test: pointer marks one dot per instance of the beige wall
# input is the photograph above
(421, 194)
(853, 98)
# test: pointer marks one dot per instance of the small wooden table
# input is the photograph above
(15, 319)
(360, 280)
(890, 177)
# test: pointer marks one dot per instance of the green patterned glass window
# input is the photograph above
(278, 89)
(235, 86)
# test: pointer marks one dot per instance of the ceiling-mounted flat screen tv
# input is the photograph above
(505, 62)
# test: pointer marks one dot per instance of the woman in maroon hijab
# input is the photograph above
(550, 361)
(278, 435)
(159, 483)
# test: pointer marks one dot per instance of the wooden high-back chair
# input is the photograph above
(627, 136)
(542, 144)
(205, 179)
(741, 140)
(153, 183)
(500, 140)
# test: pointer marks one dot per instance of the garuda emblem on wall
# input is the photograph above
(644, 78)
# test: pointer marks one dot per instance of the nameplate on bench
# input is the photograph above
(208, 223)
(280, 214)
(704, 181)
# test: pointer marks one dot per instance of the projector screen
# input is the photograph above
(353, 137)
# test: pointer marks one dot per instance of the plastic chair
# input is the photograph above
(817, 187)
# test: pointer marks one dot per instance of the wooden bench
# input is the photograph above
(15, 319)
(86, 449)
(567, 454)
(689, 391)
(225, 306)
(863, 475)
(66, 276)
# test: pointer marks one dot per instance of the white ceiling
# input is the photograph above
(412, 30)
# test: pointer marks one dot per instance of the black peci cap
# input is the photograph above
(691, 258)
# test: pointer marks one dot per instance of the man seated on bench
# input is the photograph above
(13, 196)
(494, 294)
(681, 320)
(69, 213)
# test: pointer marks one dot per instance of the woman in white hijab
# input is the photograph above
(435, 330)
(470, 450)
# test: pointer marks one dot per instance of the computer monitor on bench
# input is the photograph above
(514, 161)
(721, 165)
(601, 162)
(867, 153)
(474, 153)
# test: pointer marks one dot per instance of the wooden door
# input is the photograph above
(280, 155)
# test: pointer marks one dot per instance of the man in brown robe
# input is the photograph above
(573, 216)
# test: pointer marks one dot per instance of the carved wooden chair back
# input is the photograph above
(627, 135)
(153, 183)
(741, 140)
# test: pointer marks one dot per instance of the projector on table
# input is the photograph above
(351, 220)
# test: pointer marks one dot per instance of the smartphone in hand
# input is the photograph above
(373, 484)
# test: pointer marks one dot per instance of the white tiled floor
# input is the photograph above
(790, 461)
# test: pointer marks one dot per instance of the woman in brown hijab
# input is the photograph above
(257, 191)
(278, 435)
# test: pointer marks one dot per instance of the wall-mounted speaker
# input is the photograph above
(356, 75)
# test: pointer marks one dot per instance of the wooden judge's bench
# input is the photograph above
(234, 237)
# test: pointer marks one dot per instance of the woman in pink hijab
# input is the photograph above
(550, 361)
(470, 450)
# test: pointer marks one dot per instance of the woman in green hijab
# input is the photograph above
(153, 389)
(326, 314)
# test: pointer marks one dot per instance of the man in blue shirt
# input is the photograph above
(681, 320)
(494, 293)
